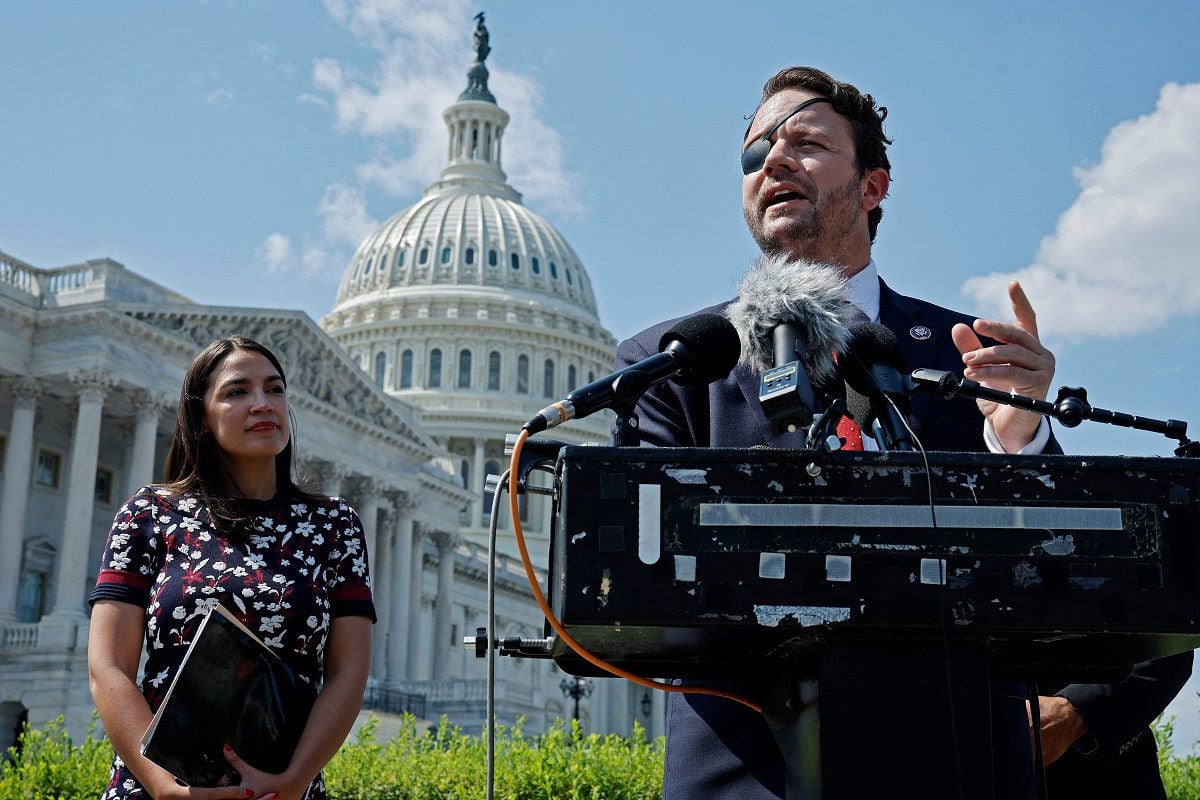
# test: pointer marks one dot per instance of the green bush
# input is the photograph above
(446, 764)
(50, 766)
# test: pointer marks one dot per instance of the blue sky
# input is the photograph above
(237, 151)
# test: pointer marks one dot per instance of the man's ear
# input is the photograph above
(875, 185)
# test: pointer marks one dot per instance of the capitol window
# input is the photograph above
(535, 266)
(380, 368)
(494, 371)
(553, 270)
(569, 275)
(446, 253)
(423, 258)
(493, 258)
(523, 375)
(46, 472)
(571, 378)
(470, 255)
(400, 258)
(464, 369)
(516, 261)
(548, 378)
(406, 369)
(435, 369)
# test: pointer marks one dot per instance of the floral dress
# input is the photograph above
(285, 574)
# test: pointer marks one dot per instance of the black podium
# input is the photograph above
(824, 575)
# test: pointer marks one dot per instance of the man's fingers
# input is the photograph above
(1010, 333)
(1006, 354)
(964, 338)
(1022, 308)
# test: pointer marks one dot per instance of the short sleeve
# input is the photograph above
(350, 581)
(131, 555)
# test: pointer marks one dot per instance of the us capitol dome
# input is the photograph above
(473, 308)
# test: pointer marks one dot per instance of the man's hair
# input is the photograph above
(866, 118)
(194, 462)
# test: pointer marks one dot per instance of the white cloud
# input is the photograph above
(1124, 257)
(344, 216)
(218, 96)
(275, 252)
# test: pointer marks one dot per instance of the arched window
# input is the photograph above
(523, 375)
(370, 263)
(380, 368)
(548, 378)
(493, 258)
(535, 266)
(400, 258)
(470, 255)
(435, 369)
(423, 258)
(571, 378)
(494, 371)
(591, 376)
(446, 253)
(406, 364)
(569, 275)
(464, 470)
(515, 260)
(464, 369)
(553, 270)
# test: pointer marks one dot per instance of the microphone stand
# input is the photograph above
(1071, 407)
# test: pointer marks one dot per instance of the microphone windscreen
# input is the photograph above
(870, 344)
(712, 344)
(805, 293)
(858, 407)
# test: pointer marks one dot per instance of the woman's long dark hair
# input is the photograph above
(194, 464)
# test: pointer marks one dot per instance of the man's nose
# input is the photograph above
(780, 157)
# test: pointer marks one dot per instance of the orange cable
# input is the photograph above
(513, 481)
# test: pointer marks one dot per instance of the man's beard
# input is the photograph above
(821, 234)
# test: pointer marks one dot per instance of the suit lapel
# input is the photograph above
(920, 339)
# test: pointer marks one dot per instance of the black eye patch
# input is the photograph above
(754, 156)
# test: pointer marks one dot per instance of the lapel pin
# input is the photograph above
(920, 332)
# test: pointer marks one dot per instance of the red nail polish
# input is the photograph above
(228, 747)
(249, 793)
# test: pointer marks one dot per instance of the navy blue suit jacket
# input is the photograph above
(718, 749)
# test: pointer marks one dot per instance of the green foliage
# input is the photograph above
(565, 763)
(1180, 774)
(445, 764)
(51, 766)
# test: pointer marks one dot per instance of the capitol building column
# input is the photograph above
(480, 511)
(443, 607)
(81, 490)
(381, 590)
(400, 624)
(18, 465)
(416, 576)
(147, 408)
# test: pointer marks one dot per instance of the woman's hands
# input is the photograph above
(265, 785)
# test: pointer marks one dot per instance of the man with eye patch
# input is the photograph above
(815, 173)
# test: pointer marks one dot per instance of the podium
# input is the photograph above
(826, 575)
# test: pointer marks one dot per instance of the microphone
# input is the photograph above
(791, 317)
(874, 368)
(698, 350)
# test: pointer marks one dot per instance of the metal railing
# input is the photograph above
(390, 701)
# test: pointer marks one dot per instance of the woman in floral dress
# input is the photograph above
(230, 526)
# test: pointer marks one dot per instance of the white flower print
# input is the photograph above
(318, 539)
(247, 591)
(179, 613)
(219, 566)
(119, 560)
(312, 622)
(299, 509)
(186, 504)
(261, 542)
(305, 528)
(157, 680)
(270, 624)
(274, 641)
